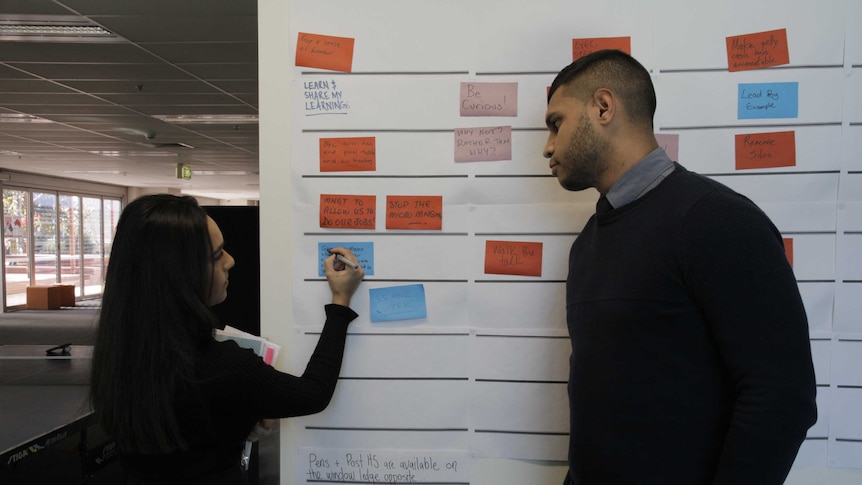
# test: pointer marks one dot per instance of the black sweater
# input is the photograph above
(691, 361)
(234, 389)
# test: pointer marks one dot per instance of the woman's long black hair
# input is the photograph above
(155, 313)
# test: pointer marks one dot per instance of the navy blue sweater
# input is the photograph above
(691, 361)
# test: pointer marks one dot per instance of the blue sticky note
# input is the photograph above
(768, 100)
(364, 252)
(397, 303)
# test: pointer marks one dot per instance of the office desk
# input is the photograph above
(43, 402)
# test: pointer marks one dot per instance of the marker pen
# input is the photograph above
(346, 261)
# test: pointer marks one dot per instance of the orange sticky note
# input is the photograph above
(766, 150)
(582, 47)
(347, 211)
(788, 249)
(513, 257)
(324, 52)
(756, 51)
(422, 212)
(348, 154)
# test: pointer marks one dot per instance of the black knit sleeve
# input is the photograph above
(269, 393)
(737, 270)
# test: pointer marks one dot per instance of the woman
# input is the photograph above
(178, 404)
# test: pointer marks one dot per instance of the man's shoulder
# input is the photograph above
(700, 190)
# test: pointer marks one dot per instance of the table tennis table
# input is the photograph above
(44, 403)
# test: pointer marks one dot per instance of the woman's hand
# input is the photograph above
(262, 428)
(343, 278)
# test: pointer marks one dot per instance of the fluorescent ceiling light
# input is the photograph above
(60, 30)
(209, 119)
(113, 153)
(108, 172)
(21, 118)
(53, 28)
(221, 172)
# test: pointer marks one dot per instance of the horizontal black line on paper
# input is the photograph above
(396, 280)
(499, 335)
(754, 174)
(352, 176)
(778, 126)
(848, 440)
(519, 281)
(816, 438)
(852, 233)
(815, 281)
(514, 175)
(782, 67)
(406, 130)
(398, 334)
(856, 123)
(518, 73)
(379, 130)
(847, 386)
(408, 430)
(351, 233)
(404, 378)
(497, 234)
(385, 73)
(361, 482)
(521, 381)
(855, 172)
(825, 386)
(851, 281)
(535, 433)
(855, 340)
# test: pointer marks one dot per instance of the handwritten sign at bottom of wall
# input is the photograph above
(323, 465)
(397, 303)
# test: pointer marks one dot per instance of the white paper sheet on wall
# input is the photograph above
(485, 370)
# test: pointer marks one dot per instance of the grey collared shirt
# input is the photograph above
(641, 178)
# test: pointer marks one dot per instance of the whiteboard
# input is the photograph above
(484, 371)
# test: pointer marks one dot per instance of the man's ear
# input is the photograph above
(606, 103)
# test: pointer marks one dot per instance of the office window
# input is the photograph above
(71, 238)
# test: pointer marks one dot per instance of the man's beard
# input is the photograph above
(582, 157)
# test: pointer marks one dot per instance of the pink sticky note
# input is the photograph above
(670, 143)
(483, 144)
(489, 99)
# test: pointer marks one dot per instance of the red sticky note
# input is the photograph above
(421, 212)
(348, 154)
(582, 47)
(483, 144)
(757, 51)
(347, 211)
(513, 257)
(324, 52)
(788, 249)
(766, 150)
(670, 143)
(489, 99)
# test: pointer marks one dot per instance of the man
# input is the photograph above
(690, 360)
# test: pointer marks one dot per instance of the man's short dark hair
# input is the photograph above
(614, 70)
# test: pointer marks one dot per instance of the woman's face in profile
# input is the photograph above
(222, 262)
